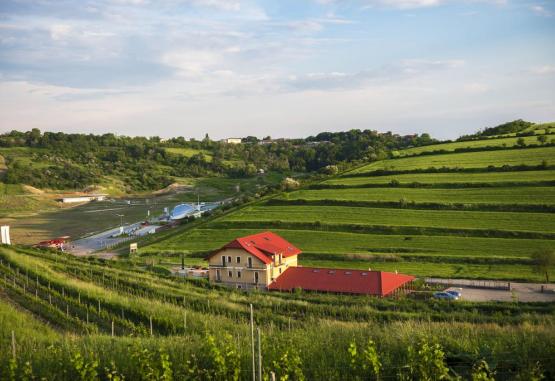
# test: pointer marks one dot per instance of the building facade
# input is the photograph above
(252, 262)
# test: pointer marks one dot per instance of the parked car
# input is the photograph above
(445, 295)
(458, 294)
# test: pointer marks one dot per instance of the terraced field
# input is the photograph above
(478, 224)
(483, 159)
(492, 142)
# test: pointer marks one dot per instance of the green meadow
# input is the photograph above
(509, 195)
(481, 159)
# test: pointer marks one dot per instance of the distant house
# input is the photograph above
(75, 199)
(232, 140)
(267, 261)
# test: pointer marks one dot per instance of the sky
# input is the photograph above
(284, 68)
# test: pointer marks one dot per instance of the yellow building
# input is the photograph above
(254, 261)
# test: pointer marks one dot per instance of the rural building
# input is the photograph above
(232, 140)
(69, 200)
(267, 261)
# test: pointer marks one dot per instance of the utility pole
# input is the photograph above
(259, 356)
(252, 344)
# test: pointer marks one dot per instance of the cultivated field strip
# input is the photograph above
(525, 177)
(513, 157)
(476, 223)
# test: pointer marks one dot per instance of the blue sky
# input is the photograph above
(286, 68)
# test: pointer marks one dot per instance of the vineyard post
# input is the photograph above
(13, 344)
(63, 293)
(98, 305)
(259, 356)
(122, 313)
(185, 320)
(79, 297)
(50, 298)
(36, 293)
(151, 332)
(112, 327)
(67, 310)
(252, 345)
(272, 376)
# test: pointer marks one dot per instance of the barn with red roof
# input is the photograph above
(267, 261)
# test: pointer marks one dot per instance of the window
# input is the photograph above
(256, 278)
(223, 260)
(280, 270)
(218, 275)
(250, 262)
(229, 259)
(238, 259)
(230, 274)
(238, 274)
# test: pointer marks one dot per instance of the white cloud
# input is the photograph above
(476, 88)
(541, 10)
(543, 70)
(60, 31)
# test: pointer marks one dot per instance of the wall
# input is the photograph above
(247, 274)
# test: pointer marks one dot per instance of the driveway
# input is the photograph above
(521, 292)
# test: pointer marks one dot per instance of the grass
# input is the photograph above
(453, 178)
(482, 159)
(504, 142)
(45, 298)
(509, 195)
(188, 152)
(537, 222)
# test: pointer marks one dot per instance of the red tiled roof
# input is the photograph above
(340, 281)
(262, 246)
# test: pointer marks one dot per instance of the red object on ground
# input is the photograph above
(262, 246)
(57, 243)
(346, 281)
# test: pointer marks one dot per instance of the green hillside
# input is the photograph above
(470, 214)
(68, 318)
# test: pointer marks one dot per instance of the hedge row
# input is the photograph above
(416, 184)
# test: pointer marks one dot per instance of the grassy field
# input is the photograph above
(428, 242)
(450, 178)
(540, 222)
(75, 318)
(528, 156)
(188, 152)
(502, 142)
(509, 195)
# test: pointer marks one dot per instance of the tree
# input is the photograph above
(542, 139)
(520, 142)
(544, 261)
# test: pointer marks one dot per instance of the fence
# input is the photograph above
(471, 283)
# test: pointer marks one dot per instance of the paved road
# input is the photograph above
(522, 292)
(88, 245)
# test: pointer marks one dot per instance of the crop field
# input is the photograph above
(539, 222)
(450, 178)
(482, 159)
(509, 195)
(69, 318)
(480, 224)
(503, 142)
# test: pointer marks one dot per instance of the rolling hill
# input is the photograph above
(478, 214)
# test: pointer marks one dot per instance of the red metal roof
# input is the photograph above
(262, 246)
(339, 280)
